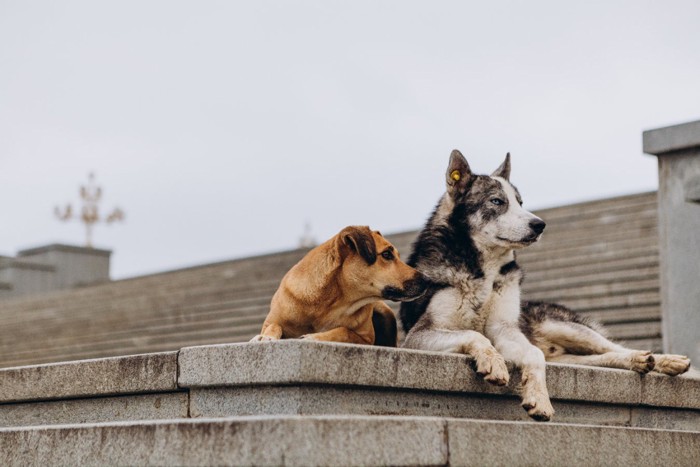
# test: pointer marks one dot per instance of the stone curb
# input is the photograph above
(345, 440)
(155, 372)
(296, 362)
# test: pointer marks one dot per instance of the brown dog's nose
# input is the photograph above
(410, 290)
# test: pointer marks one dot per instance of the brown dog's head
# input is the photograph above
(371, 265)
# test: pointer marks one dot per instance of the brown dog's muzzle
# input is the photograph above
(410, 290)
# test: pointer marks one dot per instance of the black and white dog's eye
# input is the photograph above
(388, 255)
(497, 201)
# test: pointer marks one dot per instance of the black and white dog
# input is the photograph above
(473, 305)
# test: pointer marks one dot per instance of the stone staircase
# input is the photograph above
(308, 403)
(600, 258)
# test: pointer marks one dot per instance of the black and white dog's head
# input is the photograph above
(489, 207)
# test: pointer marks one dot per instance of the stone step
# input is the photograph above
(540, 260)
(296, 377)
(618, 218)
(147, 342)
(587, 234)
(569, 285)
(70, 330)
(628, 203)
(590, 291)
(153, 303)
(603, 239)
(537, 254)
(344, 440)
(293, 377)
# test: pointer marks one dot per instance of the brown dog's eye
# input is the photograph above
(388, 255)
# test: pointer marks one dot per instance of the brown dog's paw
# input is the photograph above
(671, 365)
(261, 338)
(309, 337)
(642, 361)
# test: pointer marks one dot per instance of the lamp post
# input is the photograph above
(89, 216)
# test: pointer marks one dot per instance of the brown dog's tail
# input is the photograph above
(384, 322)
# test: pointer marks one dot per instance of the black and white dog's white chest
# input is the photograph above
(469, 302)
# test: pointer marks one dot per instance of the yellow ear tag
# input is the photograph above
(455, 175)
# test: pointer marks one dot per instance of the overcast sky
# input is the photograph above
(220, 128)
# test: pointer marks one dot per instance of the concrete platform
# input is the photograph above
(155, 372)
(295, 377)
(310, 378)
(344, 440)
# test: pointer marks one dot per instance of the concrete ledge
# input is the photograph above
(680, 391)
(671, 138)
(299, 362)
(64, 248)
(244, 441)
(294, 377)
(345, 441)
(500, 443)
(324, 400)
(156, 372)
(94, 410)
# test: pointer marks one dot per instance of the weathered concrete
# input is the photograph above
(665, 419)
(322, 400)
(678, 151)
(98, 377)
(75, 265)
(311, 378)
(680, 391)
(243, 441)
(345, 441)
(93, 410)
(501, 443)
(296, 361)
(671, 138)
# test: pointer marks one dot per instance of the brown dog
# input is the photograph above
(334, 293)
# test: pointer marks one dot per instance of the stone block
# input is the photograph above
(245, 441)
(324, 400)
(97, 377)
(295, 361)
(679, 391)
(319, 400)
(527, 443)
(671, 138)
(593, 384)
(93, 410)
(665, 419)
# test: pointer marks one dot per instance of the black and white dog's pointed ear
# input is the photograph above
(504, 170)
(458, 173)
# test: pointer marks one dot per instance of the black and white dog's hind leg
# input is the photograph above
(565, 337)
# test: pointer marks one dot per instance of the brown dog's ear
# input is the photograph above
(503, 170)
(359, 240)
(458, 173)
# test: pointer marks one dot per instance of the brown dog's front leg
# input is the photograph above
(384, 323)
(339, 335)
(270, 332)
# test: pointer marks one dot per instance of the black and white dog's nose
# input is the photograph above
(537, 226)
